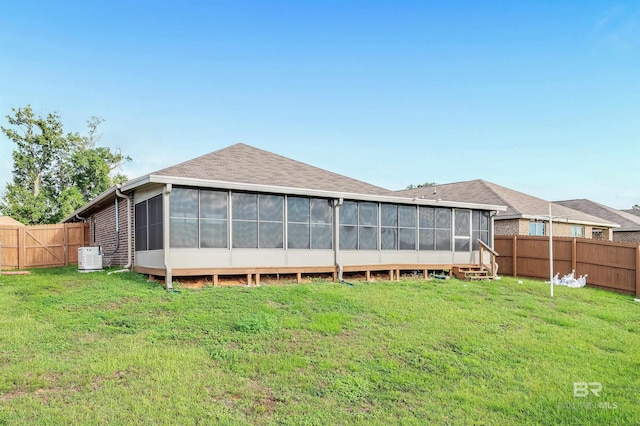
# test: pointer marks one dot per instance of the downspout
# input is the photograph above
(127, 267)
(336, 236)
(166, 236)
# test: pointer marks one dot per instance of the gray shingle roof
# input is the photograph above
(518, 203)
(627, 221)
(635, 212)
(242, 163)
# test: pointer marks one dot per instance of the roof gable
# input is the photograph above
(626, 220)
(242, 163)
(518, 203)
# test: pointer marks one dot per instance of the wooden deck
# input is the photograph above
(253, 275)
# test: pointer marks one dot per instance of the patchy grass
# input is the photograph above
(95, 349)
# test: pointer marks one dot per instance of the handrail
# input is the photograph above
(493, 267)
(492, 251)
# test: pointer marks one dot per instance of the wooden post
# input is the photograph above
(257, 279)
(22, 247)
(65, 247)
(638, 272)
(515, 256)
(215, 279)
(425, 274)
(299, 277)
(248, 279)
(390, 274)
(334, 276)
(574, 252)
(367, 275)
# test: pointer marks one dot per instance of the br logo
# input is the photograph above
(582, 389)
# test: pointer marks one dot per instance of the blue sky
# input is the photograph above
(539, 96)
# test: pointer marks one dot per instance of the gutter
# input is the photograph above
(204, 183)
(127, 267)
(166, 236)
(121, 195)
(336, 236)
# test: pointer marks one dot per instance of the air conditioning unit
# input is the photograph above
(89, 259)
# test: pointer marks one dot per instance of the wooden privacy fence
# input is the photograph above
(609, 265)
(41, 246)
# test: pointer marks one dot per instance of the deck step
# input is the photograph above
(471, 273)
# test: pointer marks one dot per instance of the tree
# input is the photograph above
(421, 185)
(636, 207)
(53, 172)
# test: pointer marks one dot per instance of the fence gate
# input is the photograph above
(42, 246)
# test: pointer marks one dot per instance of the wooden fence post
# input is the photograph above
(22, 247)
(574, 251)
(638, 271)
(65, 247)
(515, 255)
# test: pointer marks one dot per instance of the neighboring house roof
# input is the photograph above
(245, 164)
(519, 204)
(627, 221)
(635, 212)
(6, 220)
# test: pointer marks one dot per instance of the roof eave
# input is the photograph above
(100, 198)
(162, 179)
(576, 221)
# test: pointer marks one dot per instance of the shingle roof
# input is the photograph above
(518, 203)
(627, 221)
(245, 164)
(635, 212)
(6, 220)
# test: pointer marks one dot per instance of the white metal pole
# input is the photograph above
(550, 251)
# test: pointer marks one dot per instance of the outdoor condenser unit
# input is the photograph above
(89, 259)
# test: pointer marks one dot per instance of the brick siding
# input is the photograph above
(521, 227)
(102, 232)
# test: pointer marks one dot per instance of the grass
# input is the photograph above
(95, 349)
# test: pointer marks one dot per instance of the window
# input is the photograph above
(213, 219)
(257, 220)
(479, 228)
(321, 224)
(309, 223)
(434, 228)
(358, 226)
(577, 231)
(148, 226)
(183, 213)
(155, 223)
(407, 227)
(389, 227)
(141, 226)
(271, 218)
(536, 228)
(462, 230)
(367, 226)
(427, 228)
(348, 226)
(198, 218)
(443, 228)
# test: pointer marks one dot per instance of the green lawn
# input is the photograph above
(96, 349)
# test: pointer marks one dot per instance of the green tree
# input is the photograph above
(421, 185)
(53, 172)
